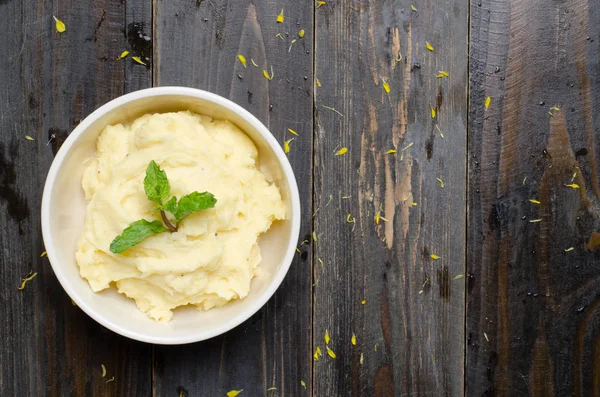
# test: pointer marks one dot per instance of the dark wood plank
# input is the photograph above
(49, 82)
(138, 31)
(196, 45)
(410, 332)
(533, 309)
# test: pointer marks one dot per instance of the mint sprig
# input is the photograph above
(158, 190)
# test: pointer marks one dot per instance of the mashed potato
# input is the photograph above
(214, 254)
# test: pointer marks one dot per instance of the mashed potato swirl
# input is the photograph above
(213, 256)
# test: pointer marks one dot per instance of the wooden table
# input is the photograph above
(458, 238)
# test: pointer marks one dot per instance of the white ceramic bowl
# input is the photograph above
(63, 209)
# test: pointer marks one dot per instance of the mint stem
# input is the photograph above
(168, 224)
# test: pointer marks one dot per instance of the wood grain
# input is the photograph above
(533, 303)
(138, 33)
(49, 82)
(196, 45)
(410, 331)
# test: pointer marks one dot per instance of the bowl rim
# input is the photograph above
(219, 101)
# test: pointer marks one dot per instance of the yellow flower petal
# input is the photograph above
(573, 186)
(342, 151)
(353, 340)
(363, 302)
(326, 337)
(330, 352)
(242, 60)
(413, 8)
(286, 145)
(234, 393)
(386, 87)
(318, 83)
(441, 182)
(301, 33)
(429, 46)
(291, 44)
(320, 3)
(535, 202)
(488, 100)
(60, 26)
(433, 113)
(280, 17)
(317, 353)
(123, 54)
(292, 131)
(303, 384)
(43, 254)
(138, 60)
(314, 236)
(434, 257)
(28, 138)
(391, 151)
(266, 74)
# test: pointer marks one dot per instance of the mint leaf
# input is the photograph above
(134, 234)
(169, 206)
(156, 184)
(193, 202)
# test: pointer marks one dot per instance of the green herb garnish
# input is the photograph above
(156, 184)
(158, 190)
(135, 234)
(189, 204)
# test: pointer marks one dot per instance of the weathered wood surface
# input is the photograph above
(410, 331)
(532, 317)
(48, 83)
(196, 44)
(533, 308)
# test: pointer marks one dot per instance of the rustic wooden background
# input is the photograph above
(511, 305)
